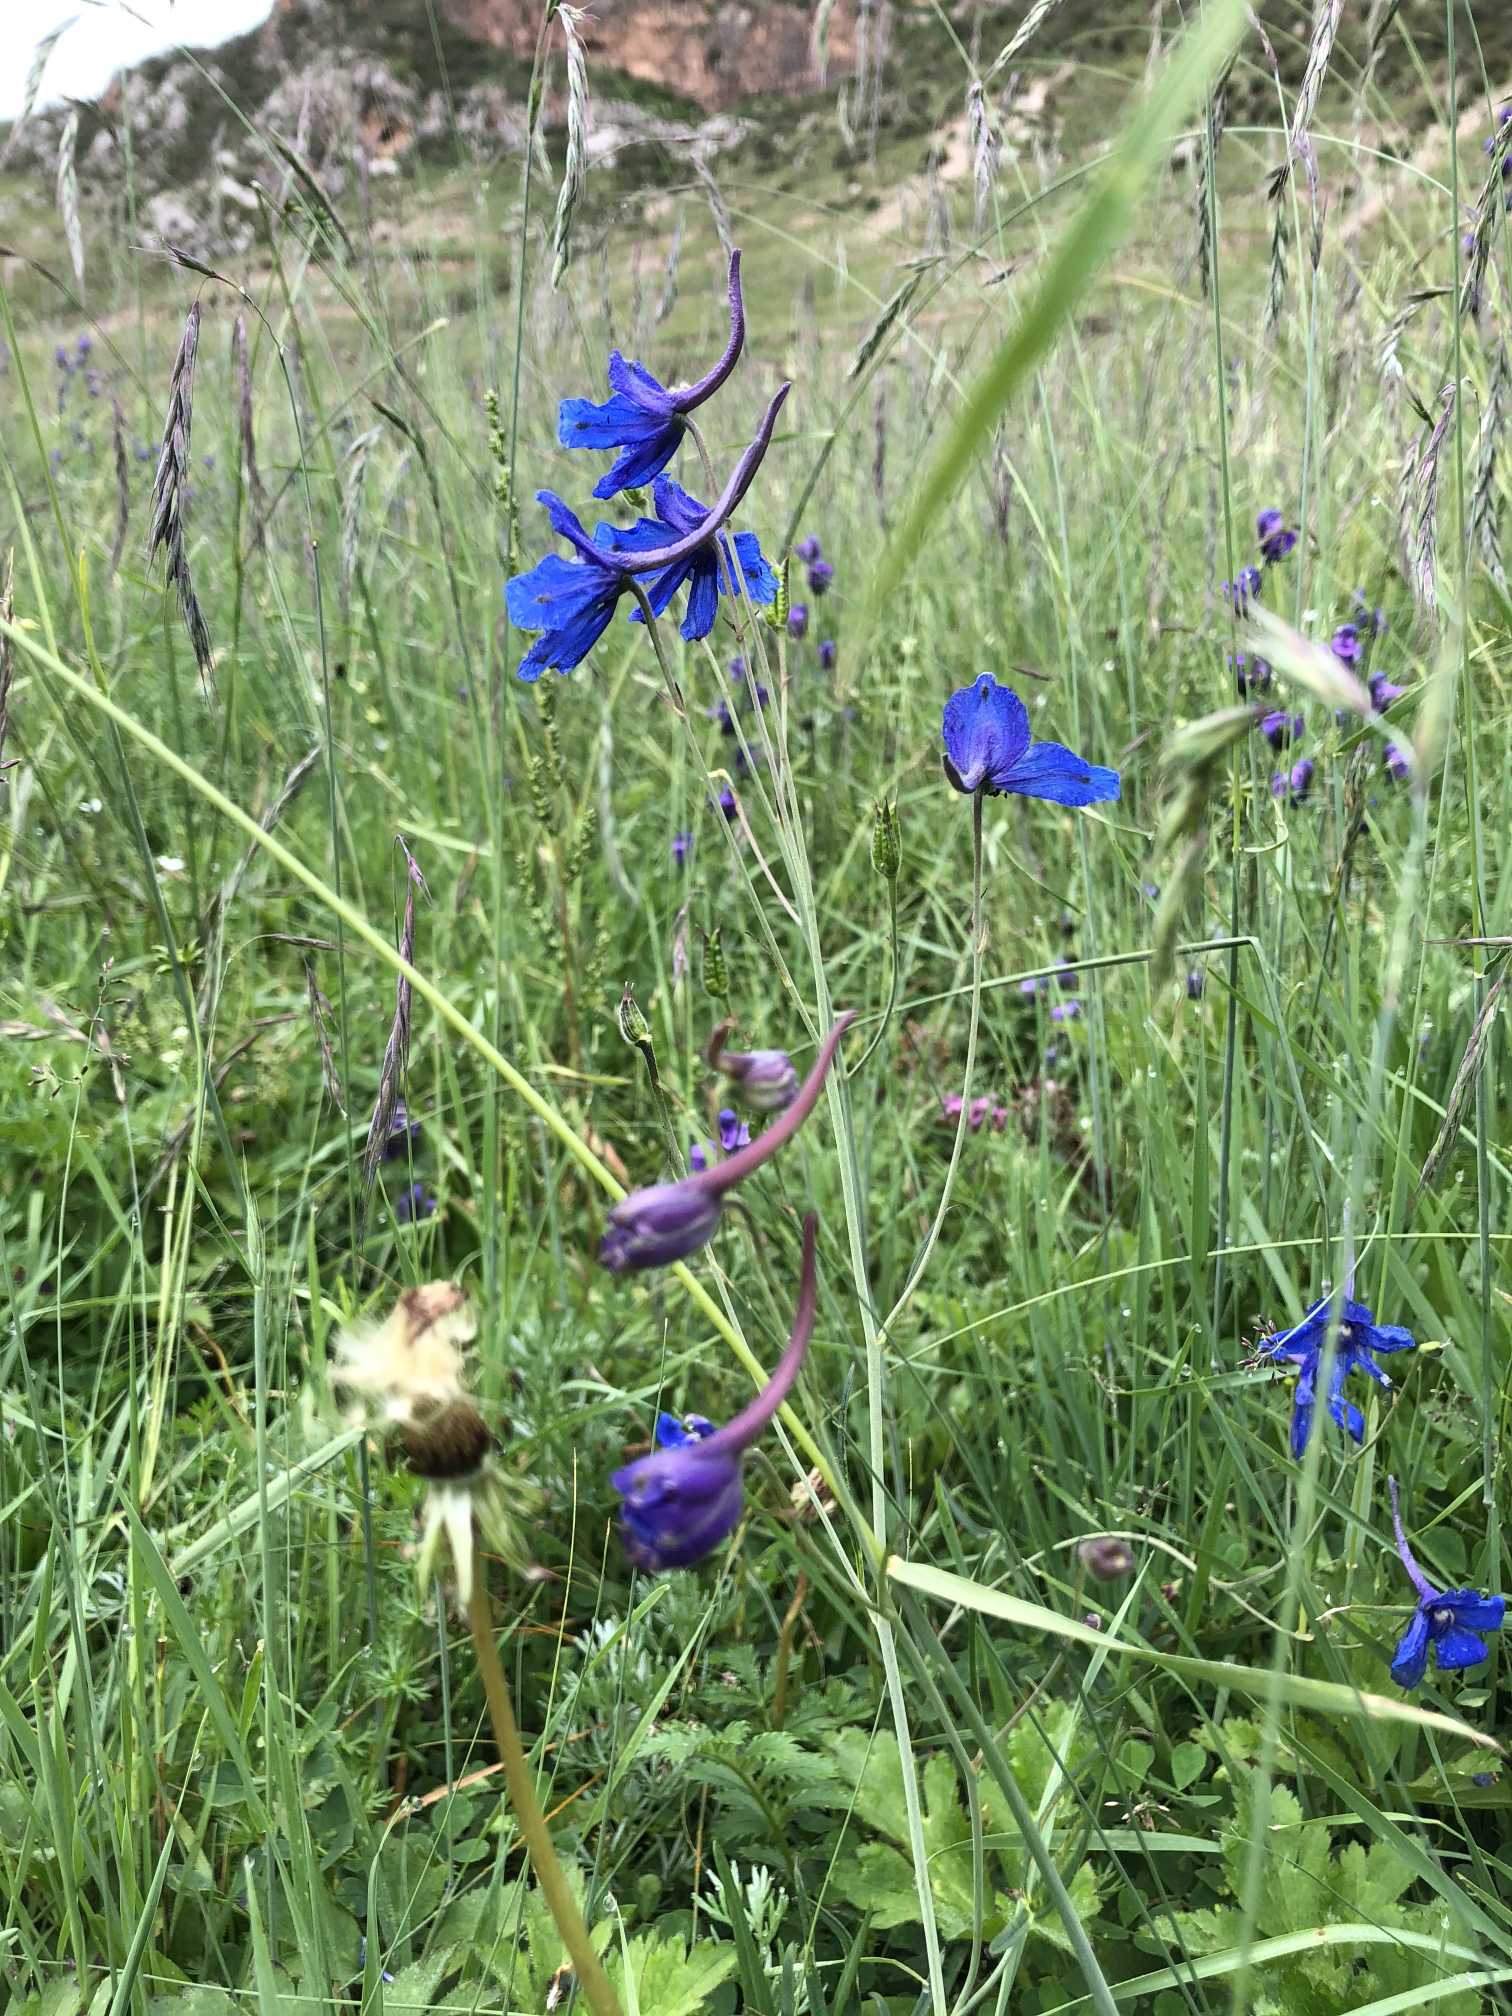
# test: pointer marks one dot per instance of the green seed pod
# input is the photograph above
(716, 978)
(633, 1025)
(887, 839)
(777, 615)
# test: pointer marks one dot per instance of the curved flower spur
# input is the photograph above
(668, 1221)
(682, 1499)
(574, 603)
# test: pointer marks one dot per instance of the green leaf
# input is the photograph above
(1295, 1690)
(1188, 1761)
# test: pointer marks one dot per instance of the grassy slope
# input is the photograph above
(1063, 1369)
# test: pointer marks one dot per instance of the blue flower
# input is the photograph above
(1251, 675)
(682, 1499)
(403, 1134)
(1279, 728)
(642, 418)
(798, 620)
(809, 550)
(682, 847)
(1276, 537)
(827, 654)
(1345, 643)
(988, 748)
(1293, 785)
(1450, 1620)
(1241, 592)
(1383, 691)
(820, 576)
(733, 1131)
(1360, 1339)
(571, 601)
(708, 572)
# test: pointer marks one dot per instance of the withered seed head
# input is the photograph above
(446, 1443)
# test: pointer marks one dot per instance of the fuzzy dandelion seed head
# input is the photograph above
(409, 1367)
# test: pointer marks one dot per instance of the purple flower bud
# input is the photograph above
(1294, 785)
(1345, 643)
(1066, 1011)
(1382, 691)
(820, 576)
(1280, 728)
(1366, 618)
(698, 1157)
(668, 1221)
(808, 550)
(1397, 765)
(727, 802)
(682, 1499)
(655, 1226)
(682, 847)
(719, 710)
(827, 655)
(1195, 982)
(1243, 590)
(767, 1078)
(798, 620)
(1275, 536)
(737, 669)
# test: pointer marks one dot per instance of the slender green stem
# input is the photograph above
(529, 1818)
(892, 991)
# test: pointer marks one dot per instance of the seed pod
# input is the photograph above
(633, 1026)
(716, 978)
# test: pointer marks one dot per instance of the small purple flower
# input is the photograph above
(1276, 538)
(1244, 589)
(1195, 982)
(827, 655)
(988, 747)
(1366, 618)
(1280, 728)
(1360, 1339)
(737, 669)
(719, 710)
(1066, 1011)
(1294, 785)
(1345, 643)
(809, 550)
(682, 847)
(641, 418)
(63, 357)
(1251, 675)
(820, 576)
(798, 620)
(1450, 1620)
(1382, 691)
(682, 1499)
(733, 1131)
(403, 1134)
(699, 1156)
(1396, 764)
(414, 1203)
(727, 801)
(85, 344)
(668, 1221)
(1037, 983)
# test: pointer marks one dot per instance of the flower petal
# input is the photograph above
(1047, 770)
(1473, 1610)
(986, 730)
(583, 423)
(1459, 1647)
(754, 569)
(1304, 1399)
(1391, 1337)
(703, 597)
(635, 383)
(641, 460)
(1410, 1661)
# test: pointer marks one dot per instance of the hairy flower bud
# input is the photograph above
(1106, 1558)
(633, 1026)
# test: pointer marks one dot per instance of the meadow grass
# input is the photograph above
(898, 1746)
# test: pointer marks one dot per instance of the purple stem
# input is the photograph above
(1420, 1581)
(745, 1426)
(668, 556)
(735, 1168)
(705, 387)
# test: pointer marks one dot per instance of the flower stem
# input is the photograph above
(529, 1818)
(892, 992)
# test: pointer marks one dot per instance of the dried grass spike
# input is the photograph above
(1030, 26)
(1485, 509)
(170, 486)
(575, 169)
(1464, 1083)
(68, 192)
(985, 149)
(322, 1015)
(1326, 18)
(396, 1051)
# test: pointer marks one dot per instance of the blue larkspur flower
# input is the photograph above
(414, 1203)
(642, 417)
(1244, 589)
(707, 573)
(1345, 643)
(1450, 1620)
(572, 602)
(1361, 1339)
(1276, 537)
(988, 747)
(682, 1499)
